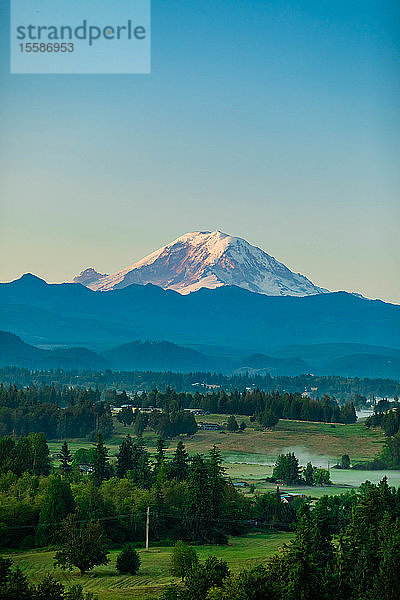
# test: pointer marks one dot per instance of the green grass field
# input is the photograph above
(318, 439)
(154, 572)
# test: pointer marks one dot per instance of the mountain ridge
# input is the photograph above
(228, 316)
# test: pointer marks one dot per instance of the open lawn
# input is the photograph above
(154, 574)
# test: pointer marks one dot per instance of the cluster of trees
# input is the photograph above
(232, 425)
(294, 406)
(268, 407)
(29, 454)
(252, 402)
(168, 423)
(347, 548)
(389, 421)
(349, 388)
(57, 412)
(288, 471)
(189, 498)
(84, 545)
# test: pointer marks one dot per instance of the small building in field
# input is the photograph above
(209, 426)
(288, 498)
(86, 469)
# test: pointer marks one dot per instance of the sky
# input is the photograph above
(273, 121)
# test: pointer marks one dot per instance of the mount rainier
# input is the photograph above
(204, 259)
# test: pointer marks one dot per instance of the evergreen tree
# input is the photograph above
(7, 454)
(309, 474)
(160, 513)
(180, 463)
(141, 473)
(160, 455)
(198, 520)
(345, 461)
(140, 424)
(232, 424)
(49, 589)
(287, 469)
(268, 419)
(65, 457)
(309, 558)
(125, 416)
(128, 561)
(387, 580)
(391, 422)
(100, 461)
(39, 452)
(13, 583)
(125, 457)
(217, 483)
(106, 426)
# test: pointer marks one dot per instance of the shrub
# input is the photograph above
(128, 561)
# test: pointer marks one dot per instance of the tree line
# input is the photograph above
(342, 387)
(77, 413)
(288, 471)
(57, 412)
(267, 407)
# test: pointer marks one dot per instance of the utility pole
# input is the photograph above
(147, 527)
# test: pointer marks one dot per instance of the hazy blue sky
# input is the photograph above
(274, 121)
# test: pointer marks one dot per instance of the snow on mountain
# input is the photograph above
(88, 277)
(206, 259)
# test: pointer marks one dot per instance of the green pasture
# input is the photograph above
(154, 574)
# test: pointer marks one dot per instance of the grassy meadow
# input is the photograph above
(154, 575)
(249, 456)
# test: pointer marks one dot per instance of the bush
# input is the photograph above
(128, 561)
(183, 559)
(49, 589)
(77, 593)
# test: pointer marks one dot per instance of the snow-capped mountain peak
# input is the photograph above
(206, 259)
